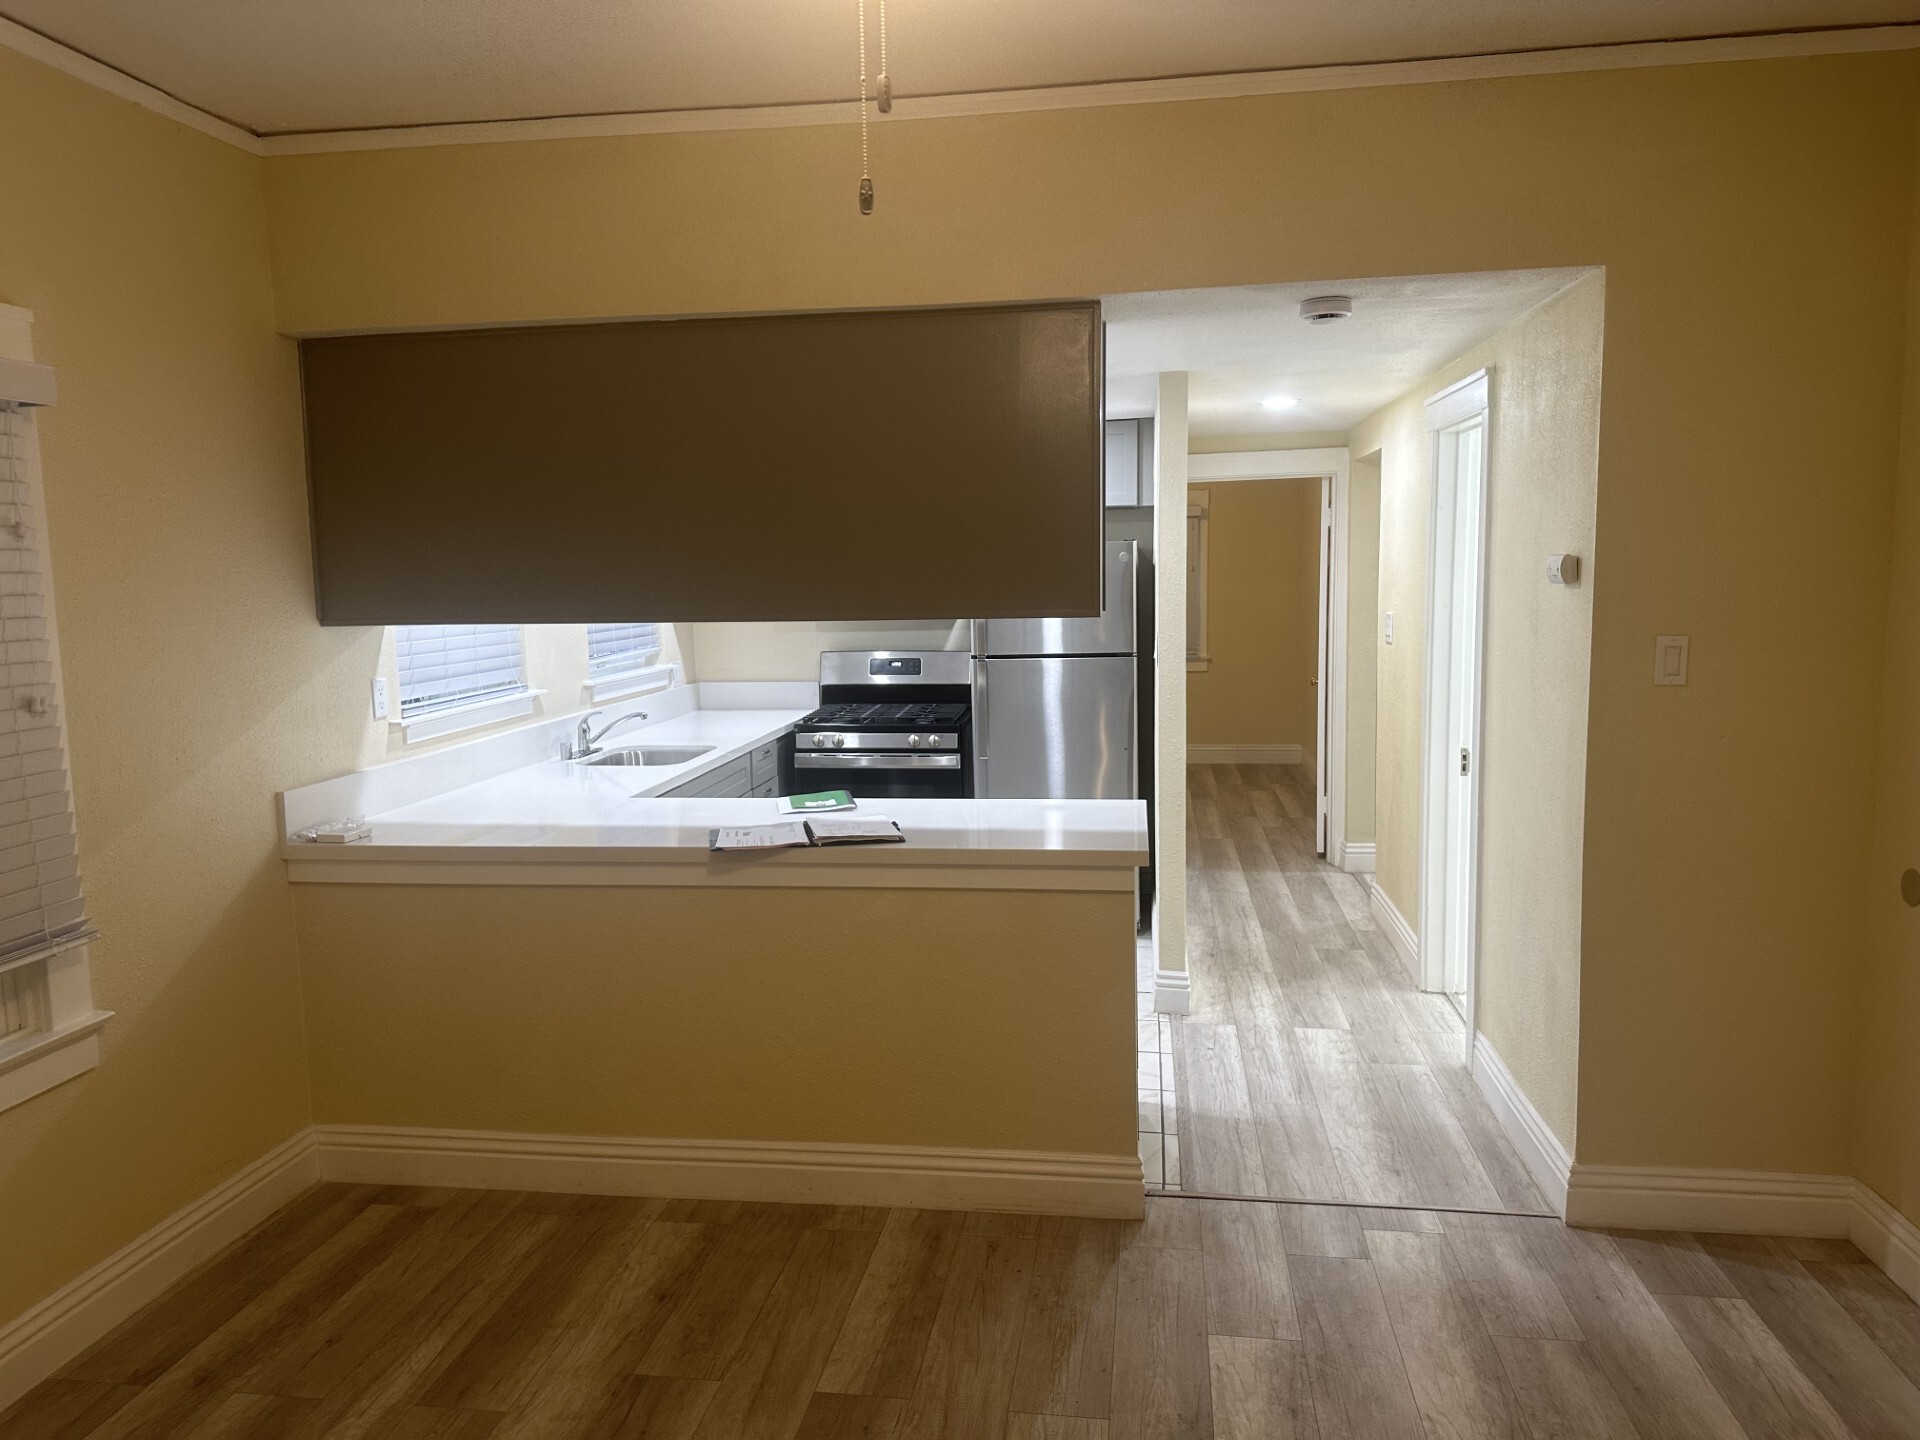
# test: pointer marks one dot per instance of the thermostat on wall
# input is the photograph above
(1563, 569)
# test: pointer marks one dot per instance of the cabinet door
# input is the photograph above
(1123, 462)
(735, 778)
(766, 765)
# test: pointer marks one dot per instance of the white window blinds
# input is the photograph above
(40, 900)
(446, 665)
(626, 646)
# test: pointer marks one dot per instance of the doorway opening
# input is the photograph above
(1308, 1012)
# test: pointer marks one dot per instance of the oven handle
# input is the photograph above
(808, 760)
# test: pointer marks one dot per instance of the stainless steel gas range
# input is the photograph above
(890, 723)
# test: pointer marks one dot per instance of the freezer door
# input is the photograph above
(1109, 633)
(1048, 728)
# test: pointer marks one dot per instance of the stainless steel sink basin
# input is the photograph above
(649, 755)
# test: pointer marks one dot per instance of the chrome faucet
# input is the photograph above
(586, 741)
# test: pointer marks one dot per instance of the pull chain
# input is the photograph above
(866, 178)
(882, 94)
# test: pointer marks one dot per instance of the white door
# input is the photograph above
(1457, 420)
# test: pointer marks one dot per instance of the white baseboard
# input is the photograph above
(37, 1343)
(1406, 943)
(1887, 1237)
(1356, 857)
(924, 1178)
(1748, 1202)
(1172, 992)
(1540, 1150)
(1246, 754)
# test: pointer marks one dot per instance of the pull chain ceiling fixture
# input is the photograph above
(881, 94)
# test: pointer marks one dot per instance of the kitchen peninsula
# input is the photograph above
(723, 1026)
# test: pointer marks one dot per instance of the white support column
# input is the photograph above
(1171, 989)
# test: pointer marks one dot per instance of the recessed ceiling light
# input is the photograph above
(1279, 402)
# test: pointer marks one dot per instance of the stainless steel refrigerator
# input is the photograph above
(1054, 701)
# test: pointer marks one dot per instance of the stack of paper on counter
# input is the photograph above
(795, 834)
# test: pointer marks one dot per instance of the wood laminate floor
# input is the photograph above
(1309, 1067)
(363, 1311)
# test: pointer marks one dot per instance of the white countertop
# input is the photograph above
(558, 823)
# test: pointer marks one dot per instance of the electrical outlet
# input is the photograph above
(380, 697)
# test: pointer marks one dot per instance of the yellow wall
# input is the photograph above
(1718, 1003)
(1542, 467)
(195, 676)
(1886, 1097)
(751, 1014)
(1263, 616)
(790, 649)
(1363, 643)
(1717, 1009)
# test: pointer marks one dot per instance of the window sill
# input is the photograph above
(629, 682)
(456, 718)
(34, 1064)
(1199, 662)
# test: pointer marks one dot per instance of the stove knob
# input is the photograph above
(913, 742)
(839, 742)
(819, 742)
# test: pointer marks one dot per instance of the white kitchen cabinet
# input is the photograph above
(1129, 462)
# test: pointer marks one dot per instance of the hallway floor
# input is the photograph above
(1310, 1067)
(363, 1311)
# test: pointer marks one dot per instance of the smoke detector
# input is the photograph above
(1325, 309)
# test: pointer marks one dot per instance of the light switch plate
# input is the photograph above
(379, 697)
(1389, 627)
(1669, 659)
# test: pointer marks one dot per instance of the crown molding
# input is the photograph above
(1843, 40)
(102, 76)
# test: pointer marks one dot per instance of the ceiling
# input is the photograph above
(1244, 344)
(276, 66)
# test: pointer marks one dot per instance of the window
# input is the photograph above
(48, 1026)
(613, 649)
(1197, 580)
(448, 666)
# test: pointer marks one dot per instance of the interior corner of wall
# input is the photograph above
(677, 644)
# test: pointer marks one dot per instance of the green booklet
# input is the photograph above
(819, 800)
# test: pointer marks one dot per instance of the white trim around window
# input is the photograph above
(1198, 654)
(67, 1041)
(629, 682)
(452, 719)
(49, 1025)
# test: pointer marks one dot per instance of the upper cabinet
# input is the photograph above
(907, 464)
(1129, 462)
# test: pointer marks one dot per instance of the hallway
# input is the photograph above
(1309, 1067)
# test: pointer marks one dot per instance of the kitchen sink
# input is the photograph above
(650, 755)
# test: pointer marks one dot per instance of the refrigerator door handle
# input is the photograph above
(980, 752)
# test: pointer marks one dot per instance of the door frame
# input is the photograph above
(1453, 408)
(1330, 465)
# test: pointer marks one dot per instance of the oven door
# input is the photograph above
(879, 775)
